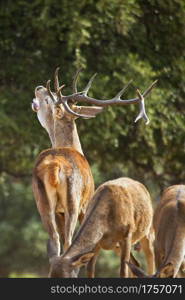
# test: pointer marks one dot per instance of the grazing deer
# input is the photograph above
(62, 179)
(169, 226)
(119, 212)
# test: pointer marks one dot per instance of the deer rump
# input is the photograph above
(62, 186)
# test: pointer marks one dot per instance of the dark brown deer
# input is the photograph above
(119, 212)
(169, 226)
(62, 179)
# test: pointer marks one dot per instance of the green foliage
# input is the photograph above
(104, 269)
(120, 40)
(22, 238)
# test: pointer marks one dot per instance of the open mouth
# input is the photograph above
(35, 105)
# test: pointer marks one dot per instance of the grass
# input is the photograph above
(23, 275)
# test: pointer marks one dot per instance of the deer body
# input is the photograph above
(119, 212)
(62, 186)
(169, 225)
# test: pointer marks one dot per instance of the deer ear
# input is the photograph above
(167, 271)
(82, 260)
(90, 111)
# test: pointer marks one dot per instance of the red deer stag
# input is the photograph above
(169, 226)
(119, 212)
(62, 179)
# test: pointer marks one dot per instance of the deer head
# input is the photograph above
(66, 267)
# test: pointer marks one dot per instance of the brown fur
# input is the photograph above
(169, 225)
(119, 212)
(62, 186)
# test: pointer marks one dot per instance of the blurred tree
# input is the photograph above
(120, 40)
(23, 240)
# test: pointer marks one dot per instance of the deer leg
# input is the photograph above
(53, 245)
(91, 267)
(60, 219)
(71, 219)
(159, 257)
(147, 246)
(46, 207)
(91, 264)
(133, 260)
(125, 246)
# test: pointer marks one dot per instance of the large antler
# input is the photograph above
(82, 97)
(60, 98)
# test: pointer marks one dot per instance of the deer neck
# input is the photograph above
(83, 248)
(65, 135)
(51, 136)
(86, 240)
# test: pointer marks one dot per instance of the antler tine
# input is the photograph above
(56, 81)
(148, 90)
(59, 95)
(58, 88)
(123, 90)
(85, 91)
(69, 110)
(142, 112)
(75, 80)
(49, 90)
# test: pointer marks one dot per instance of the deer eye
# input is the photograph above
(46, 100)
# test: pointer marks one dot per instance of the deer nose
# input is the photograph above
(35, 105)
